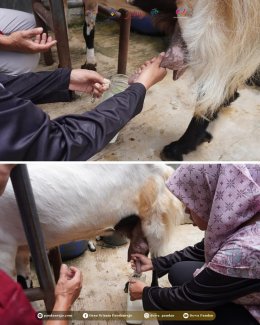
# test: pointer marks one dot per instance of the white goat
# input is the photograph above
(79, 201)
(223, 41)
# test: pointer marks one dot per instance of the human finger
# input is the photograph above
(78, 276)
(44, 47)
(43, 38)
(95, 77)
(32, 32)
(159, 58)
(137, 255)
(37, 39)
(49, 39)
(63, 272)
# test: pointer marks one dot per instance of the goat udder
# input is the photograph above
(140, 246)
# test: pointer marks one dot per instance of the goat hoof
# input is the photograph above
(172, 152)
(91, 246)
(175, 150)
(25, 283)
(206, 137)
(89, 66)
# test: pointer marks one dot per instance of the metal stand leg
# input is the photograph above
(125, 24)
(56, 21)
(27, 207)
(61, 32)
(40, 14)
(56, 261)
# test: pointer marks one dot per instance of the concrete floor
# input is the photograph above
(168, 107)
(106, 271)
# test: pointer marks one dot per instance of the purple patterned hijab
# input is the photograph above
(225, 196)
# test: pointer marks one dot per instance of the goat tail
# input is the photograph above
(223, 39)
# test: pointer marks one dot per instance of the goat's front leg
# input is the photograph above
(91, 9)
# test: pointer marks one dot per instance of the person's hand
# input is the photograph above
(144, 261)
(150, 72)
(68, 288)
(136, 288)
(88, 81)
(27, 41)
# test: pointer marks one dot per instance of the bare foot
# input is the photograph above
(150, 72)
(5, 170)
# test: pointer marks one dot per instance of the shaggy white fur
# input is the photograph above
(223, 40)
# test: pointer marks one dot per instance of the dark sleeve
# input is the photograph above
(206, 291)
(40, 87)
(27, 133)
(161, 265)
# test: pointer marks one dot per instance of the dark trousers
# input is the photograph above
(227, 314)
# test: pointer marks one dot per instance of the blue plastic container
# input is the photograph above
(73, 249)
(144, 25)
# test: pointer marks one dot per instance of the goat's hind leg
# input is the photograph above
(7, 258)
(23, 267)
(195, 135)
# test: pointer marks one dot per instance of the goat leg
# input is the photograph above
(194, 135)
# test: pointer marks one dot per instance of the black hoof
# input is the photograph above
(24, 283)
(89, 66)
(206, 137)
(175, 150)
(172, 152)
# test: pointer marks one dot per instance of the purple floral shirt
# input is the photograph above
(227, 197)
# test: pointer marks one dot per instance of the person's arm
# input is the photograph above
(27, 41)
(40, 87)
(67, 291)
(162, 264)
(70, 137)
(53, 86)
(206, 291)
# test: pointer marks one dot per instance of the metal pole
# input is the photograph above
(61, 32)
(40, 13)
(27, 207)
(125, 24)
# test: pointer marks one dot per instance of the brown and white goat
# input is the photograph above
(220, 42)
(79, 201)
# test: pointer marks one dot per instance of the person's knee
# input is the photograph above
(182, 272)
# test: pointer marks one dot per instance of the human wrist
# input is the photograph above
(62, 304)
(5, 42)
(144, 83)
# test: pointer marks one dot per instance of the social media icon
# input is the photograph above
(185, 315)
(40, 315)
(146, 315)
(85, 315)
